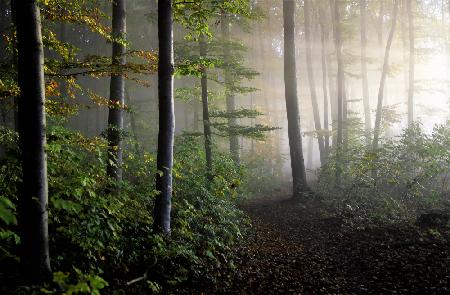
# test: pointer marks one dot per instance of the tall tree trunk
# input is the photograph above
(312, 83)
(229, 95)
(117, 92)
(166, 118)
(33, 199)
(340, 83)
(323, 50)
(411, 62)
(376, 131)
(293, 114)
(365, 83)
(206, 122)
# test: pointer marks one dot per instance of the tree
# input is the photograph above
(411, 62)
(312, 83)
(334, 6)
(117, 91)
(292, 109)
(376, 131)
(365, 83)
(230, 99)
(205, 107)
(33, 199)
(166, 118)
(323, 50)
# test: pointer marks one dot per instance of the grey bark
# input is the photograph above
(33, 198)
(166, 118)
(312, 83)
(117, 92)
(292, 108)
(376, 131)
(365, 83)
(206, 121)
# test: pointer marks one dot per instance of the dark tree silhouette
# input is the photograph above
(117, 91)
(33, 199)
(293, 114)
(166, 118)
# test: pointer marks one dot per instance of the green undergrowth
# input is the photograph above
(405, 177)
(104, 242)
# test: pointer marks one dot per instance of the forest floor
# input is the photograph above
(297, 248)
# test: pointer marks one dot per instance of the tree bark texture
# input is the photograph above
(292, 108)
(117, 92)
(33, 199)
(166, 118)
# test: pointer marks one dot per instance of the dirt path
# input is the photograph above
(299, 249)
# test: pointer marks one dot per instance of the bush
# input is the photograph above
(107, 238)
(404, 177)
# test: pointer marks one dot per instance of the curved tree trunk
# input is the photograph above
(376, 131)
(206, 122)
(411, 62)
(312, 83)
(166, 119)
(33, 199)
(117, 92)
(293, 114)
(365, 83)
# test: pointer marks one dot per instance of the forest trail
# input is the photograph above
(299, 249)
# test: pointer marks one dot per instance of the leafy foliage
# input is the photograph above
(99, 239)
(404, 177)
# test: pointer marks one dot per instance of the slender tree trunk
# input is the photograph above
(411, 62)
(312, 83)
(377, 127)
(166, 118)
(293, 114)
(323, 38)
(365, 83)
(117, 92)
(230, 99)
(33, 199)
(340, 84)
(206, 122)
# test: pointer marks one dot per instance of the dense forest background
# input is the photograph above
(142, 142)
